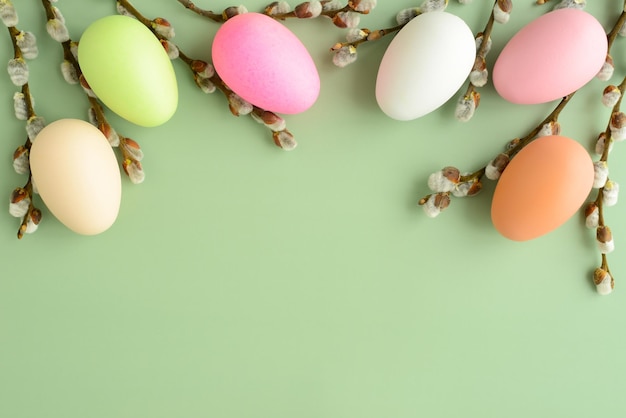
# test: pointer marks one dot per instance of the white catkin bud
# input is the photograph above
(21, 164)
(611, 96)
(205, 84)
(20, 106)
(492, 172)
(601, 143)
(461, 189)
(271, 120)
(27, 42)
(19, 209)
(163, 28)
(600, 174)
(406, 15)
(606, 72)
(610, 193)
(465, 109)
(285, 140)
(132, 148)
(239, 106)
(622, 30)
(479, 77)
(57, 30)
(171, 49)
(279, 8)
(435, 204)
(345, 56)
(433, 6)
(31, 226)
(571, 4)
(332, 5)
(500, 15)
(348, 19)
(355, 34)
(114, 139)
(364, 6)
(605, 287)
(618, 134)
(439, 182)
(618, 126)
(34, 125)
(124, 11)
(467, 188)
(135, 172)
(57, 13)
(604, 239)
(8, 13)
(279, 124)
(208, 71)
(69, 72)
(18, 71)
(309, 10)
(479, 42)
(592, 218)
(430, 209)
(549, 128)
(606, 247)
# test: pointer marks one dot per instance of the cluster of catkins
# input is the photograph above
(608, 189)
(25, 48)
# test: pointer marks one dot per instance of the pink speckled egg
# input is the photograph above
(551, 57)
(265, 63)
(541, 188)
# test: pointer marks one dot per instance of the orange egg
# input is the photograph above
(541, 188)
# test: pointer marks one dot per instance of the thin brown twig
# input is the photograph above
(100, 117)
(278, 135)
(267, 10)
(486, 34)
(26, 191)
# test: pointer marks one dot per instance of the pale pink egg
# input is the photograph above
(551, 57)
(541, 188)
(265, 63)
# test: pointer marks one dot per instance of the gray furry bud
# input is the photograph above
(27, 42)
(34, 125)
(20, 106)
(8, 15)
(345, 56)
(18, 71)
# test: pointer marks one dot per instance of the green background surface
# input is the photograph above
(241, 280)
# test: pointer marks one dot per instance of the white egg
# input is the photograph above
(424, 65)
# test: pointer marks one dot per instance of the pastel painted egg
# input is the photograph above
(541, 188)
(551, 57)
(128, 69)
(424, 65)
(77, 175)
(265, 63)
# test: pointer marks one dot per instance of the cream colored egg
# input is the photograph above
(77, 175)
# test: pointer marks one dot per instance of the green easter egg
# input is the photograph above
(128, 69)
